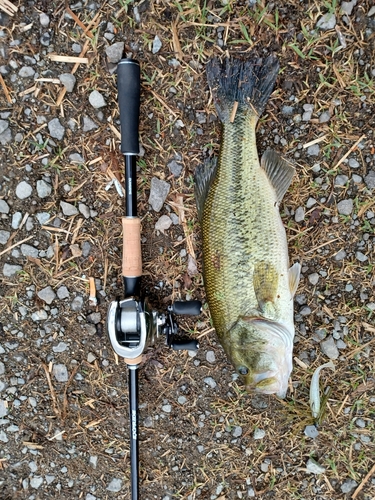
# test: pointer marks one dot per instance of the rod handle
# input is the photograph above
(131, 255)
(129, 89)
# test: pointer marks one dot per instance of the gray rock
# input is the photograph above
(26, 72)
(76, 158)
(341, 254)
(47, 295)
(44, 20)
(299, 215)
(94, 318)
(210, 357)
(329, 348)
(23, 190)
(114, 52)
(353, 163)
(90, 497)
(3, 437)
(361, 257)
(40, 315)
(42, 217)
(68, 80)
(16, 220)
(29, 251)
(237, 431)
(115, 485)
(36, 482)
(325, 117)
(45, 39)
(84, 210)
(68, 209)
(210, 382)
(3, 125)
(91, 357)
(181, 400)
(341, 180)
(313, 278)
(287, 110)
(77, 303)
(313, 150)
(314, 467)
(175, 167)
(86, 249)
(56, 130)
(310, 202)
(2, 368)
(96, 99)
(49, 478)
(348, 486)
(77, 48)
(156, 45)
(327, 22)
(259, 434)
(62, 292)
(163, 223)
(43, 188)
(93, 460)
(347, 7)
(158, 193)
(167, 408)
(345, 207)
(370, 180)
(4, 207)
(10, 270)
(6, 136)
(4, 237)
(3, 408)
(88, 124)
(60, 373)
(60, 347)
(311, 431)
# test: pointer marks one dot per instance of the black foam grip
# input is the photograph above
(188, 307)
(128, 86)
(185, 345)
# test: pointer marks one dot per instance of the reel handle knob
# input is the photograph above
(187, 308)
(185, 345)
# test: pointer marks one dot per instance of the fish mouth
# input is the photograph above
(267, 383)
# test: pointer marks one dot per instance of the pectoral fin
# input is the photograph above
(294, 274)
(279, 172)
(265, 282)
(204, 175)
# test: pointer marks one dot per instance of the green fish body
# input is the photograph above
(248, 281)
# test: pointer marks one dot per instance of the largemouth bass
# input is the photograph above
(248, 281)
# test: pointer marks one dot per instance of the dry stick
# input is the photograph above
(367, 477)
(5, 88)
(8, 7)
(349, 151)
(15, 245)
(79, 22)
(65, 399)
(69, 59)
(55, 404)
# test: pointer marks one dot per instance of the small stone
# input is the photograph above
(26, 72)
(56, 130)
(353, 163)
(341, 180)
(90, 497)
(36, 482)
(49, 478)
(96, 99)
(88, 124)
(370, 180)
(3, 437)
(167, 408)
(45, 39)
(156, 45)
(3, 125)
(210, 382)
(299, 215)
(93, 460)
(76, 158)
(11, 269)
(115, 485)
(43, 189)
(361, 257)
(210, 357)
(181, 400)
(47, 294)
(313, 150)
(62, 292)
(348, 486)
(94, 318)
(77, 303)
(4, 237)
(175, 167)
(60, 347)
(91, 357)
(60, 373)
(237, 431)
(287, 110)
(158, 193)
(347, 7)
(327, 22)
(3, 408)
(84, 210)
(68, 80)
(314, 467)
(163, 223)
(16, 220)
(6, 137)
(44, 20)
(42, 217)
(325, 117)
(29, 251)
(345, 207)
(311, 431)
(341, 254)
(40, 315)
(329, 348)
(68, 209)
(313, 278)
(4, 207)
(23, 190)
(114, 52)
(259, 434)
(371, 12)
(310, 202)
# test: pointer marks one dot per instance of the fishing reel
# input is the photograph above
(133, 326)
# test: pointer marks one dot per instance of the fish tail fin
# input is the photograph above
(239, 85)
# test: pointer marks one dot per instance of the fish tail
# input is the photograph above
(238, 85)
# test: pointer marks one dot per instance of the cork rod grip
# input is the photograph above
(131, 256)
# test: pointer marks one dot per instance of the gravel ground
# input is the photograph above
(63, 393)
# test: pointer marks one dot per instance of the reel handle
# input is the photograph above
(185, 345)
(129, 89)
(187, 308)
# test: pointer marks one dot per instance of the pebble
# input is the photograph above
(84, 210)
(259, 434)
(325, 117)
(2, 368)
(77, 303)
(175, 167)
(210, 357)
(44, 20)
(42, 217)
(68, 80)
(68, 209)
(361, 257)
(210, 382)
(96, 99)
(36, 482)
(115, 485)
(341, 254)
(40, 315)
(345, 207)
(327, 22)
(60, 373)
(43, 188)
(348, 486)
(26, 72)
(93, 460)
(3, 125)
(114, 52)
(23, 190)
(76, 158)
(94, 318)
(55, 128)
(3, 408)
(158, 193)
(310, 202)
(156, 45)
(370, 180)
(313, 278)
(60, 347)
(237, 431)
(88, 124)
(6, 137)
(313, 150)
(91, 357)
(4, 237)
(4, 207)
(163, 223)
(353, 163)
(45, 39)
(47, 295)
(341, 180)
(314, 467)
(167, 408)
(29, 251)
(329, 348)
(311, 431)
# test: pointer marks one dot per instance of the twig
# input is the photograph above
(15, 245)
(364, 481)
(315, 141)
(79, 22)
(55, 404)
(65, 399)
(69, 59)
(349, 151)
(5, 88)
(8, 7)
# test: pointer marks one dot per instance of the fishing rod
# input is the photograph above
(132, 325)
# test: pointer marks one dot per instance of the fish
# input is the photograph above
(247, 277)
(315, 390)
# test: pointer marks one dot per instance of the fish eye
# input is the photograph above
(242, 370)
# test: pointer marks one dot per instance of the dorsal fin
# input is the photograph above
(204, 175)
(279, 172)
